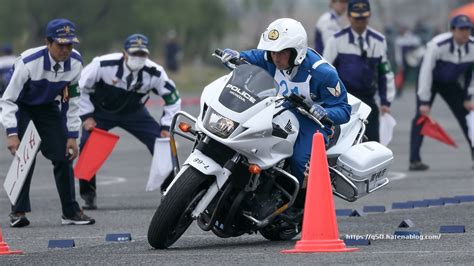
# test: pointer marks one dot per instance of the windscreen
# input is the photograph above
(248, 85)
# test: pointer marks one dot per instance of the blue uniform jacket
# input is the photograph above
(325, 87)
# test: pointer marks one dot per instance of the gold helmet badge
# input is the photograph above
(273, 35)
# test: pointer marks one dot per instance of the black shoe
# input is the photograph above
(418, 166)
(18, 219)
(90, 203)
(79, 218)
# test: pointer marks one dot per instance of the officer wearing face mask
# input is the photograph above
(114, 89)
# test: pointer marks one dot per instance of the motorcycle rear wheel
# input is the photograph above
(173, 217)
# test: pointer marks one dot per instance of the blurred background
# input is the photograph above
(183, 33)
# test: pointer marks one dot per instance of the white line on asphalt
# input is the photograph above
(392, 176)
(109, 180)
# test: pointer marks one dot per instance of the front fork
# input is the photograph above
(214, 188)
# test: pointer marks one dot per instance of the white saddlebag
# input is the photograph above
(366, 166)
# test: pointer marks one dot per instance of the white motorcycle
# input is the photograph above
(237, 180)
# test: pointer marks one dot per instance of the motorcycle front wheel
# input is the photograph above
(173, 217)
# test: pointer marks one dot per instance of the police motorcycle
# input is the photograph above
(236, 179)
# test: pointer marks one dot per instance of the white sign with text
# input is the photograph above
(21, 164)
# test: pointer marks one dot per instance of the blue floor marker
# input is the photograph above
(407, 234)
(435, 202)
(61, 243)
(356, 242)
(343, 212)
(122, 237)
(465, 198)
(375, 208)
(402, 205)
(420, 204)
(452, 229)
(450, 200)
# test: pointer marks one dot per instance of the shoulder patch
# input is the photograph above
(152, 71)
(375, 35)
(441, 43)
(106, 63)
(341, 32)
(336, 91)
(34, 56)
(76, 56)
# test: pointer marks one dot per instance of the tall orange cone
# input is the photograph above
(96, 150)
(4, 249)
(320, 232)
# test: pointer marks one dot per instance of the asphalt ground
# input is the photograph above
(125, 207)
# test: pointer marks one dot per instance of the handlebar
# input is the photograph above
(219, 52)
(236, 61)
(299, 101)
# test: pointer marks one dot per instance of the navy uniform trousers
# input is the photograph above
(49, 123)
(453, 95)
(303, 146)
(372, 127)
(139, 123)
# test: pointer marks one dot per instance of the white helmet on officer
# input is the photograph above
(282, 34)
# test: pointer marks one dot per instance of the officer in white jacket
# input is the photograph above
(329, 23)
(114, 89)
(447, 70)
(43, 89)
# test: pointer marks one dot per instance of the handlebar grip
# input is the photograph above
(219, 52)
(300, 100)
(235, 61)
(327, 120)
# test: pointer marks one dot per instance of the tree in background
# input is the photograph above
(102, 25)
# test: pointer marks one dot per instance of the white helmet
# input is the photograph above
(285, 33)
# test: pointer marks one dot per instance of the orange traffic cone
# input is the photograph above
(320, 232)
(4, 249)
(98, 147)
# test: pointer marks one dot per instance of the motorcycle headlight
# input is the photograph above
(219, 124)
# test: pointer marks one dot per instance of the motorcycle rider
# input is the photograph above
(283, 52)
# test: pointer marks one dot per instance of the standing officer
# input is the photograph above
(43, 89)
(359, 54)
(329, 23)
(446, 69)
(114, 89)
(172, 51)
